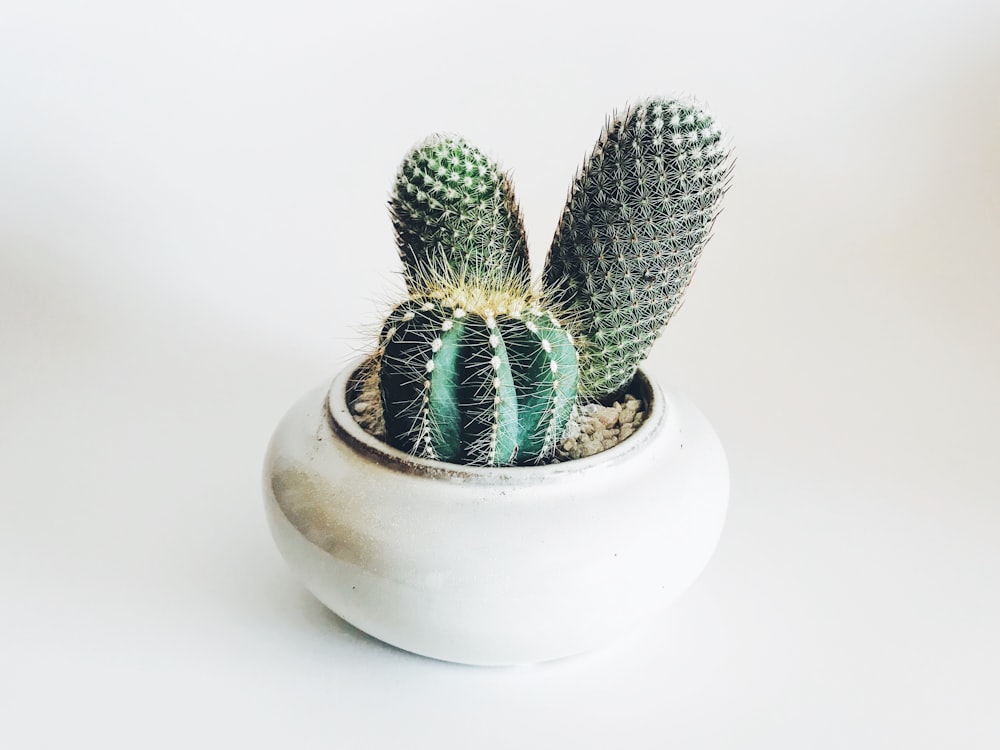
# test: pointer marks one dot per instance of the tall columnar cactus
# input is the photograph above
(639, 212)
(455, 218)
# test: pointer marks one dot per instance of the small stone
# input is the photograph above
(607, 416)
(593, 428)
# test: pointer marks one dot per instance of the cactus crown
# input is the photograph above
(477, 367)
(455, 217)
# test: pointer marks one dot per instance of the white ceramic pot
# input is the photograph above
(494, 565)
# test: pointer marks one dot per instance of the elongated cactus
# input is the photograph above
(455, 218)
(638, 215)
(488, 386)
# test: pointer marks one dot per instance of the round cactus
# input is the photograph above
(455, 217)
(638, 214)
(475, 384)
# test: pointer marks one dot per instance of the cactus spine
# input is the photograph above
(638, 215)
(455, 216)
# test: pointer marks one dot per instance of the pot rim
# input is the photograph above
(343, 424)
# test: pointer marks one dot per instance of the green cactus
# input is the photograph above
(638, 214)
(456, 218)
(488, 384)
(475, 367)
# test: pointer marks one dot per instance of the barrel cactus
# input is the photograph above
(476, 385)
(477, 366)
(638, 215)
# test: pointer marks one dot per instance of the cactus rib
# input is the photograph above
(476, 387)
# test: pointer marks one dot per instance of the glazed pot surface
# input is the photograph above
(494, 565)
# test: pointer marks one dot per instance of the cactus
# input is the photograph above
(472, 368)
(485, 386)
(639, 212)
(478, 368)
(455, 217)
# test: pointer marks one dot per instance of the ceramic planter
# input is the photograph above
(494, 565)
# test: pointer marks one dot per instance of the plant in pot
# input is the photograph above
(498, 483)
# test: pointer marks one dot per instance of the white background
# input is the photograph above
(193, 232)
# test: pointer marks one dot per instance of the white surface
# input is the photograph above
(192, 227)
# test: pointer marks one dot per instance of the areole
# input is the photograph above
(494, 565)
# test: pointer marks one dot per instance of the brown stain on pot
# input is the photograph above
(304, 498)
